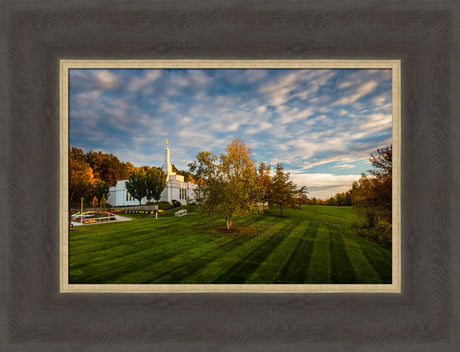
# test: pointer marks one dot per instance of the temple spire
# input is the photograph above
(167, 167)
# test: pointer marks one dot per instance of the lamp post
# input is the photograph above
(81, 211)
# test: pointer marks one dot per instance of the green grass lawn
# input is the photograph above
(311, 245)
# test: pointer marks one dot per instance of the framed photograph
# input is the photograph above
(319, 137)
(53, 300)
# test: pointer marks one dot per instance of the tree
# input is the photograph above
(205, 173)
(94, 203)
(364, 198)
(238, 181)
(382, 163)
(283, 189)
(101, 189)
(227, 188)
(81, 179)
(155, 182)
(263, 182)
(125, 170)
(136, 185)
(188, 177)
(373, 193)
(102, 203)
(110, 169)
(301, 195)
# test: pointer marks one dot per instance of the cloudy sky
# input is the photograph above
(320, 124)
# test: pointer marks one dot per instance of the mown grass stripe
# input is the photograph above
(365, 272)
(296, 268)
(176, 274)
(173, 269)
(342, 269)
(215, 269)
(380, 259)
(237, 274)
(319, 271)
(270, 269)
(310, 213)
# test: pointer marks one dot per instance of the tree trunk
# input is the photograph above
(281, 209)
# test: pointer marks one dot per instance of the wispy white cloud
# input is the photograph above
(85, 98)
(361, 91)
(143, 81)
(262, 126)
(107, 79)
(345, 166)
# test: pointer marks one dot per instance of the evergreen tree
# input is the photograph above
(283, 189)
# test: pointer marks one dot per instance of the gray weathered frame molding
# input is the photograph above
(35, 35)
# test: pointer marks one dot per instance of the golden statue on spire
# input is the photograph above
(166, 143)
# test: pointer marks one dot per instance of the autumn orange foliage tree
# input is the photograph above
(372, 194)
(92, 173)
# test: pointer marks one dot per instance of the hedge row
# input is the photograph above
(146, 212)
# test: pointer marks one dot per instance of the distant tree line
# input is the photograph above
(340, 199)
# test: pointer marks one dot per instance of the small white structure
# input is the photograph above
(180, 213)
(176, 188)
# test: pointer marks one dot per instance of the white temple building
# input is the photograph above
(176, 188)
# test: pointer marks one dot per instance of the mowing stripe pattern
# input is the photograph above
(303, 247)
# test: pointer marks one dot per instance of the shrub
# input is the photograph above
(164, 205)
(380, 233)
(383, 231)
